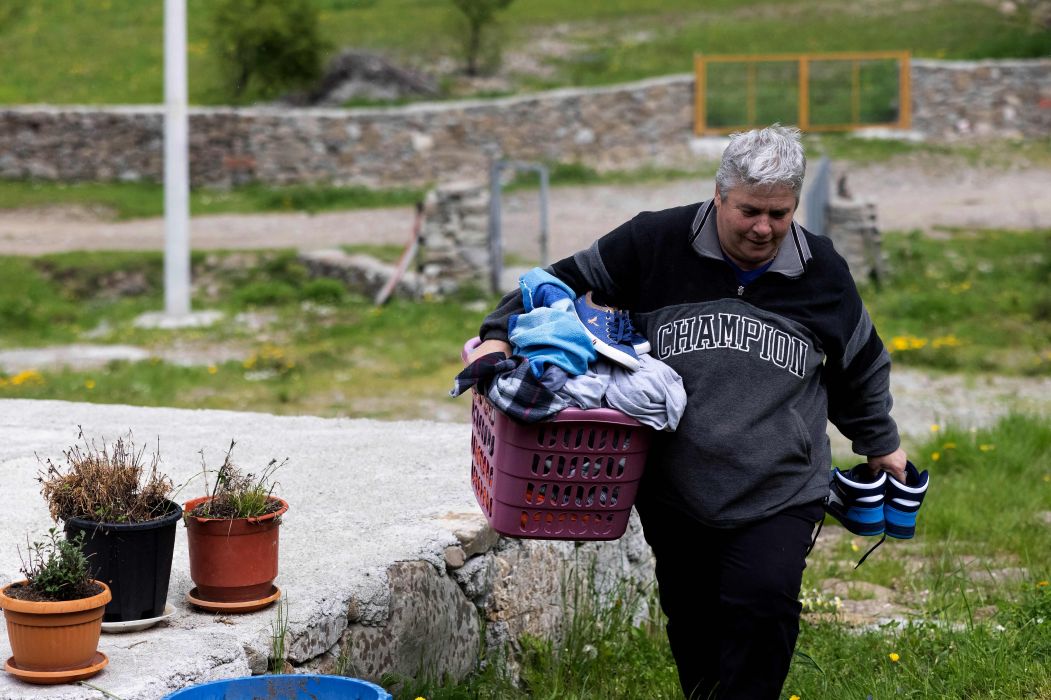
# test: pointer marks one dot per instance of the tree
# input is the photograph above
(268, 45)
(479, 16)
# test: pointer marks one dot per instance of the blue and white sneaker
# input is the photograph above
(855, 499)
(903, 502)
(610, 331)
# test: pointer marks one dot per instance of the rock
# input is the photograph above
(431, 625)
(359, 74)
(362, 274)
(454, 557)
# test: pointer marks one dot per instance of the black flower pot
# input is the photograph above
(134, 559)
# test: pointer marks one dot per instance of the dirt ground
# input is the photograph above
(908, 195)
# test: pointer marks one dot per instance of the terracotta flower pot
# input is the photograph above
(54, 636)
(233, 561)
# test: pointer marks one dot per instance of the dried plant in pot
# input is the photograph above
(54, 616)
(121, 503)
(233, 536)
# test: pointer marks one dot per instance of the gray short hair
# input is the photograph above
(770, 156)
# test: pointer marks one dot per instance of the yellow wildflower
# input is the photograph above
(854, 547)
(893, 656)
(935, 427)
(28, 376)
(89, 384)
(935, 456)
(986, 447)
(949, 446)
(1042, 584)
(212, 369)
(794, 697)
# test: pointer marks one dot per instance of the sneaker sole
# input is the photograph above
(611, 353)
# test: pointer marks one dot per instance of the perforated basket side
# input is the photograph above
(565, 525)
(483, 451)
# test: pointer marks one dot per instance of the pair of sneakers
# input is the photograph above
(870, 505)
(611, 332)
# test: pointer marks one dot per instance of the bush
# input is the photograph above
(324, 291)
(269, 45)
(265, 294)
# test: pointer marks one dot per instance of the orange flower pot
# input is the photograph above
(54, 636)
(233, 561)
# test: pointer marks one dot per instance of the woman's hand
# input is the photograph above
(893, 464)
(487, 347)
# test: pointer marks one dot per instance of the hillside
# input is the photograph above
(110, 51)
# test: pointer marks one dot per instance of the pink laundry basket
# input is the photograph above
(573, 477)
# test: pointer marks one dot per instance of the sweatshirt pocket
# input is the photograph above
(803, 433)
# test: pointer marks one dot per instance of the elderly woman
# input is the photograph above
(763, 322)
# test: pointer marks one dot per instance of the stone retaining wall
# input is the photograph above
(619, 127)
(954, 100)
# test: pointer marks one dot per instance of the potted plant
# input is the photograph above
(54, 616)
(232, 535)
(121, 507)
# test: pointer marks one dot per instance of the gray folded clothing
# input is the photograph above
(587, 390)
(653, 394)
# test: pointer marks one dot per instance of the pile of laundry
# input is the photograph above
(556, 361)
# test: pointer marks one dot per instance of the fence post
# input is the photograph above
(804, 93)
(496, 248)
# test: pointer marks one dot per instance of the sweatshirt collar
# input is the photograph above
(791, 259)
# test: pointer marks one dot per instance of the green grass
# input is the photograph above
(128, 200)
(110, 51)
(974, 301)
(967, 300)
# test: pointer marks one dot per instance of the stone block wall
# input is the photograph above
(955, 100)
(625, 126)
(646, 123)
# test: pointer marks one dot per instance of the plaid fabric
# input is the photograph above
(520, 395)
(481, 372)
(512, 387)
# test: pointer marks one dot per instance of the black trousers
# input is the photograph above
(731, 598)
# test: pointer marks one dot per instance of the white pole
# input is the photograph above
(176, 163)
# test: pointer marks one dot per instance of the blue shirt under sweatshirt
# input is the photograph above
(746, 277)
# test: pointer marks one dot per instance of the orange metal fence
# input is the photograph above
(728, 97)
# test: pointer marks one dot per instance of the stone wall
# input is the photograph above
(955, 100)
(619, 127)
(648, 122)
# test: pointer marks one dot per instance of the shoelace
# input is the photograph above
(619, 327)
(861, 561)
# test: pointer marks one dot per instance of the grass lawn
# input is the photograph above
(973, 301)
(110, 51)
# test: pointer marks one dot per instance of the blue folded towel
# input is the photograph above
(549, 336)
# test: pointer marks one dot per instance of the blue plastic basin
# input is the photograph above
(284, 687)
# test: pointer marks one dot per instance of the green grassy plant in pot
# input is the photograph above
(54, 616)
(122, 508)
(232, 535)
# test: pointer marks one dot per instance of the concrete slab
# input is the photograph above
(379, 511)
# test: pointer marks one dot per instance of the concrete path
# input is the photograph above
(363, 496)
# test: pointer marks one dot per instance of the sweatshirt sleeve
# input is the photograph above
(858, 381)
(583, 271)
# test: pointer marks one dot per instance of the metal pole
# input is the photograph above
(543, 216)
(496, 252)
(176, 163)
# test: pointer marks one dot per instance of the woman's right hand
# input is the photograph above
(488, 346)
